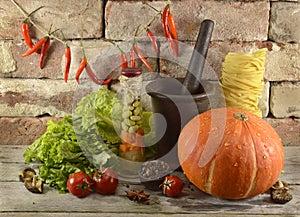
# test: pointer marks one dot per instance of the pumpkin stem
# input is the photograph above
(240, 116)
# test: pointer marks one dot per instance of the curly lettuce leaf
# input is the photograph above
(58, 153)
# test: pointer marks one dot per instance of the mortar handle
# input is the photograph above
(197, 61)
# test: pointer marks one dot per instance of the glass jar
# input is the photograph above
(132, 133)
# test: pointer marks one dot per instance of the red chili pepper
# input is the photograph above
(168, 36)
(25, 33)
(67, 63)
(124, 62)
(44, 50)
(94, 78)
(172, 26)
(132, 59)
(153, 40)
(80, 69)
(141, 56)
(173, 33)
(164, 21)
(38, 45)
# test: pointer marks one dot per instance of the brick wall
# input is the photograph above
(30, 96)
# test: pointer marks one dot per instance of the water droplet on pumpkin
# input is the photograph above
(228, 132)
(236, 164)
(239, 147)
(226, 144)
(258, 134)
(264, 157)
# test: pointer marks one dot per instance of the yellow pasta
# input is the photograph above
(242, 80)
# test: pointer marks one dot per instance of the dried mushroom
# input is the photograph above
(31, 182)
(280, 193)
(27, 174)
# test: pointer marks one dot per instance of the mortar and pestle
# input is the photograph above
(175, 102)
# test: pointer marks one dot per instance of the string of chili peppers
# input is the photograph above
(85, 65)
(169, 27)
(42, 46)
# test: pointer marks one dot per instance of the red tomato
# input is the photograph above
(172, 186)
(105, 181)
(79, 184)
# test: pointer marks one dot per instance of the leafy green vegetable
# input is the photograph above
(95, 129)
(82, 142)
(59, 154)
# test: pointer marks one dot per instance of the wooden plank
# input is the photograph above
(291, 168)
(85, 214)
(14, 161)
(39, 214)
(12, 153)
(16, 198)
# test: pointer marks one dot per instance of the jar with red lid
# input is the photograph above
(132, 132)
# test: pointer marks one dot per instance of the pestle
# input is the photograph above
(193, 76)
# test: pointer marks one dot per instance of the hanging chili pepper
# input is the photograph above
(153, 40)
(141, 56)
(172, 26)
(44, 50)
(165, 24)
(173, 32)
(80, 69)
(132, 59)
(123, 58)
(38, 45)
(164, 21)
(124, 61)
(167, 33)
(26, 32)
(67, 63)
(94, 78)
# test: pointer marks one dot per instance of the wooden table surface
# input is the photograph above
(16, 200)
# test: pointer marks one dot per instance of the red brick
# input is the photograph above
(75, 18)
(28, 67)
(243, 21)
(23, 130)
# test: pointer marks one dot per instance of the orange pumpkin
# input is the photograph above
(230, 153)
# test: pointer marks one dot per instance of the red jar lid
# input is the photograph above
(131, 72)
